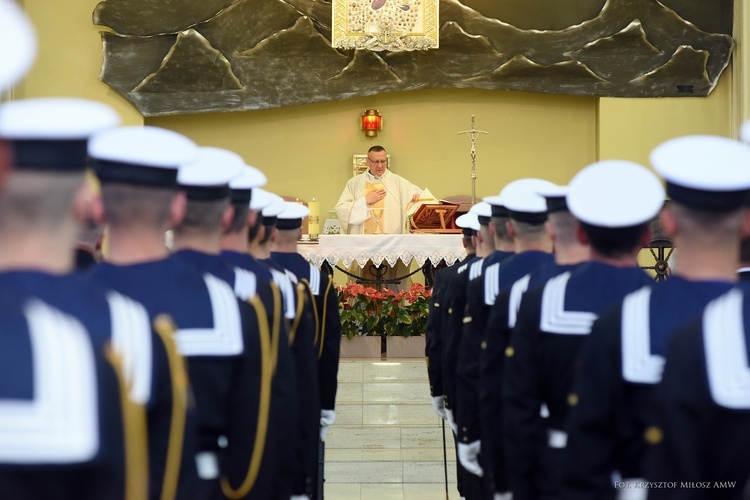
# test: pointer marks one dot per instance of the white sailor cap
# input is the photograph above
(497, 205)
(206, 177)
(292, 215)
(148, 156)
(523, 202)
(241, 186)
(17, 44)
(469, 222)
(615, 194)
(53, 133)
(706, 172)
(260, 199)
(271, 211)
(483, 211)
(555, 198)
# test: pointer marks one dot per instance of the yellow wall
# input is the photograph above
(630, 128)
(306, 150)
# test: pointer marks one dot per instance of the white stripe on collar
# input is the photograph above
(554, 318)
(131, 339)
(61, 424)
(476, 269)
(638, 364)
(315, 280)
(225, 338)
(516, 294)
(245, 283)
(287, 292)
(726, 351)
(491, 283)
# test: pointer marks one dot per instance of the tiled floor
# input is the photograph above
(387, 443)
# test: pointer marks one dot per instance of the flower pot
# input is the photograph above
(405, 347)
(360, 347)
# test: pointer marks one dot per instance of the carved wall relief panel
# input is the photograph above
(182, 56)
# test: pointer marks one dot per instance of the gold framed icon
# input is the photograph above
(385, 24)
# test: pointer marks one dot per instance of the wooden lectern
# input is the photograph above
(435, 218)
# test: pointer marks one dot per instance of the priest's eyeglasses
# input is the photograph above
(378, 162)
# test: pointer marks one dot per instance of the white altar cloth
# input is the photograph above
(359, 248)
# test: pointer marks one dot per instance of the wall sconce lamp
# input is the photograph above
(371, 122)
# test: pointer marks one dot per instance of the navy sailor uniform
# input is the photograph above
(452, 306)
(497, 337)
(553, 324)
(467, 368)
(434, 331)
(319, 292)
(62, 410)
(283, 431)
(621, 365)
(703, 406)
(229, 354)
(498, 278)
(328, 338)
(435, 334)
(301, 465)
(111, 317)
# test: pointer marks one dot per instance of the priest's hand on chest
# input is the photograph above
(375, 196)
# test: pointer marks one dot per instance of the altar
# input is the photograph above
(341, 250)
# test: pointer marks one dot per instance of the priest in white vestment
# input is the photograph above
(380, 202)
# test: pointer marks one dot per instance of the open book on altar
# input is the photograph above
(435, 218)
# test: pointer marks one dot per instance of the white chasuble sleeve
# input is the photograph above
(351, 209)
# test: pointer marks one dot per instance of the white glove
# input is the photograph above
(468, 454)
(327, 417)
(451, 420)
(299, 497)
(438, 403)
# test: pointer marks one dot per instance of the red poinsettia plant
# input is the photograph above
(368, 311)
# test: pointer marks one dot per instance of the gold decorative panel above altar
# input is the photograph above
(182, 56)
(385, 24)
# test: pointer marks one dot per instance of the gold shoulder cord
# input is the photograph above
(134, 434)
(266, 367)
(300, 288)
(164, 327)
(315, 311)
(323, 322)
(276, 327)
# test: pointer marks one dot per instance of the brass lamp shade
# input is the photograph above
(371, 122)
